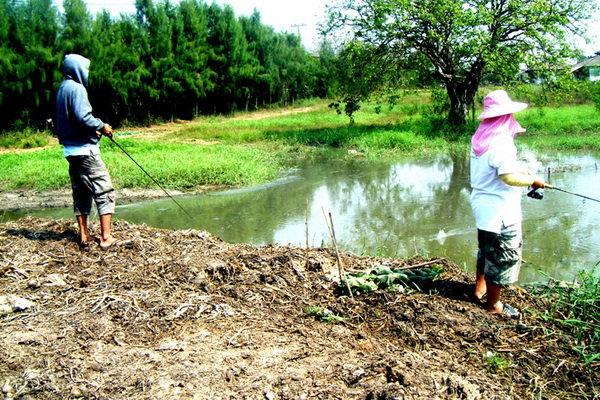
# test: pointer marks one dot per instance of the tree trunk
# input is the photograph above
(461, 96)
(461, 89)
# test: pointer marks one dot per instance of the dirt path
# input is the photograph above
(184, 315)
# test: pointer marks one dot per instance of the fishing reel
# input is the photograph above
(534, 194)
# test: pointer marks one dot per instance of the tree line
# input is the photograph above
(166, 61)
(176, 61)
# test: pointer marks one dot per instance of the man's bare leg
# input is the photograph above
(494, 305)
(480, 285)
(106, 239)
(82, 221)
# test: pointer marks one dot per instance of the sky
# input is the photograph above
(299, 16)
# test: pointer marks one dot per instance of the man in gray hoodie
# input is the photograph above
(79, 132)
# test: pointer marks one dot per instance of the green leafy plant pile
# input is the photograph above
(323, 314)
(384, 277)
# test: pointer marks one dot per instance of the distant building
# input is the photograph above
(588, 69)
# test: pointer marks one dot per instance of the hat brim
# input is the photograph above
(511, 108)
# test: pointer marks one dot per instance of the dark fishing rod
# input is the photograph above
(574, 194)
(538, 195)
(149, 176)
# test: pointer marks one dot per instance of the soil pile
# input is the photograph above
(184, 315)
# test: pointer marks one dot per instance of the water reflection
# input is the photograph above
(395, 210)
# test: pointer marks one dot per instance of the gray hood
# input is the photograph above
(76, 67)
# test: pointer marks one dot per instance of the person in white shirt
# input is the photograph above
(496, 181)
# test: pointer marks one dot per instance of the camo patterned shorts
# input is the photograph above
(499, 254)
(91, 183)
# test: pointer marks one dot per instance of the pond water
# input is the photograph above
(393, 210)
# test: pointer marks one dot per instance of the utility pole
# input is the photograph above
(298, 26)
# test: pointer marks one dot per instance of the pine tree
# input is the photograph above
(30, 31)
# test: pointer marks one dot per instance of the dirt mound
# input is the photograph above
(184, 315)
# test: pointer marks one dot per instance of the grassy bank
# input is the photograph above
(252, 148)
(176, 165)
(562, 128)
(576, 305)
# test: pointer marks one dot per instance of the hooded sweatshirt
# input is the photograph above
(75, 124)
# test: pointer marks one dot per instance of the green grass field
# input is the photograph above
(252, 148)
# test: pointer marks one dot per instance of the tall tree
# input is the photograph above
(326, 73)
(131, 74)
(229, 59)
(105, 52)
(8, 59)
(190, 41)
(77, 28)
(262, 41)
(458, 42)
(29, 47)
(294, 65)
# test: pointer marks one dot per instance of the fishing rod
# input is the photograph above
(574, 194)
(538, 195)
(149, 176)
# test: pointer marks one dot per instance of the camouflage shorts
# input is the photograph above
(91, 183)
(499, 254)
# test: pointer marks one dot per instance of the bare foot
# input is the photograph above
(106, 243)
(85, 240)
(506, 311)
(479, 295)
(496, 308)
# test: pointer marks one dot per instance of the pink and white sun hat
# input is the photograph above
(498, 103)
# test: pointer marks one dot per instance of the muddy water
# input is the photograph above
(396, 210)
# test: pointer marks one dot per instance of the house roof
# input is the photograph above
(589, 62)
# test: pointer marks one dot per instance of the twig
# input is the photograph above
(306, 233)
(419, 265)
(337, 253)
(558, 366)
(230, 341)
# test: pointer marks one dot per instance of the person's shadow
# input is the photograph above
(44, 235)
(450, 288)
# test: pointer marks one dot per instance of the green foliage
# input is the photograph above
(576, 305)
(25, 139)
(495, 363)
(384, 277)
(595, 94)
(323, 314)
(28, 59)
